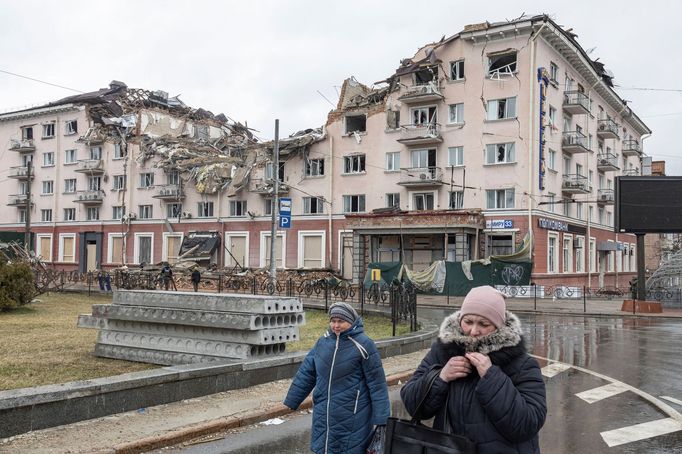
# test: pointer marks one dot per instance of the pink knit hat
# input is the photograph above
(487, 302)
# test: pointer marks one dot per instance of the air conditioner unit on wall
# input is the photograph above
(604, 197)
(186, 215)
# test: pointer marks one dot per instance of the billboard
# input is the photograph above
(648, 204)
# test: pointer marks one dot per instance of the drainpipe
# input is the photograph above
(330, 236)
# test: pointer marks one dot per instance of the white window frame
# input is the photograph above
(179, 211)
(42, 213)
(92, 210)
(611, 259)
(166, 235)
(136, 248)
(118, 151)
(312, 233)
(492, 150)
(633, 257)
(70, 156)
(579, 254)
(458, 154)
(413, 204)
(40, 236)
(72, 210)
(361, 197)
(70, 127)
(148, 209)
(146, 180)
(48, 130)
(113, 207)
(48, 159)
(62, 236)
(553, 262)
(506, 195)
(457, 70)
(509, 110)
(456, 113)
(567, 253)
(354, 164)
(96, 152)
(236, 206)
(459, 199)
(50, 186)
(110, 252)
(392, 195)
(263, 253)
(118, 182)
(228, 235)
(201, 209)
(314, 168)
(553, 72)
(593, 255)
(508, 71)
(425, 115)
(393, 161)
(307, 205)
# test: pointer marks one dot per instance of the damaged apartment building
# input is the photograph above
(478, 141)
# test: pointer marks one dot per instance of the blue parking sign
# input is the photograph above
(285, 221)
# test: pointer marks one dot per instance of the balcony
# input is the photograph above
(20, 173)
(422, 93)
(607, 129)
(606, 197)
(421, 176)
(574, 142)
(90, 197)
(91, 166)
(22, 146)
(631, 148)
(607, 162)
(576, 103)
(631, 172)
(170, 192)
(422, 134)
(17, 200)
(575, 184)
(266, 187)
(93, 136)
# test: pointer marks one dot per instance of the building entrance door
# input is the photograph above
(91, 256)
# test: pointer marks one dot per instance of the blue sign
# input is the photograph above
(285, 221)
(499, 224)
(285, 205)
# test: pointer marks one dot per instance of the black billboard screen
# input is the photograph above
(648, 204)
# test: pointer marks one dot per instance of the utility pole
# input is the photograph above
(275, 206)
(27, 232)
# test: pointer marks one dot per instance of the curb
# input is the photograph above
(247, 418)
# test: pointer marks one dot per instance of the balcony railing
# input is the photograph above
(90, 197)
(92, 166)
(631, 172)
(17, 200)
(576, 103)
(266, 186)
(574, 142)
(422, 93)
(605, 197)
(575, 184)
(421, 134)
(607, 162)
(169, 192)
(421, 176)
(607, 129)
(20, 173)
(22, 146)
(631, 148)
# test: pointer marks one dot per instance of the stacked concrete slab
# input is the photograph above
(172, 328)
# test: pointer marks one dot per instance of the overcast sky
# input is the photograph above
(260, 60)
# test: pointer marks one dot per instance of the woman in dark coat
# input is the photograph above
(488, 388)
(350, 395)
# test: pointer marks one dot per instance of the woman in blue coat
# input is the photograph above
(350, 395)
(488, 388)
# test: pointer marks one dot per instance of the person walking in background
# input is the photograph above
(488, 389)
(345, 374)
(196, 278)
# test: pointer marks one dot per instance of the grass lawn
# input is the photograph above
(40, 343)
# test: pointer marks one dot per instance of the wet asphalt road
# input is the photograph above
(645, 353)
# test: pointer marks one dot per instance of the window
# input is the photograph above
(70, 156)
(314, 167)
(267, 207)
(499, 244)
(22, 215)
(393, 200)
(46, 215)
(552, 119)
(424, 116)
(456, 200)
(69, 185)
(119, 151)
(48, 187)
(205, 209)
(71, 127)
(593, 255)
(423, 159)
(145, 211)
(502, 64)
(551, 159)
(392, 119)
(237, 207)
(610, 259)
(457, 70)
(94, 183)
(268, 171)
(567, 207)
(456, 113)
(609, 220)
(146, 180)
(311, 249)
(590, 214)
(118, 212)
(27, 133)
(499, 109)
(393, 161)
(354, 203)
(568, 254)
(551, 200)
(67, 247)
(499, 198)
(173, 210)
(92, 213)
(422, 201)
(455, 156)
(238, 246)
(280, 249)
(426, 75)
(115, 248)
(579, 210)
(354, 164)
(579, 254)
(48, 131)
(313, 205)
(96, 153)
(44, 247)
(23, 188)
(48, 159)
(499, 153)
(69, 214)
(552, 253)
(356, 123)
(600, 216)
(553, 72)
(144, 244)
(119, 182)
(459, 247)
(26, 160)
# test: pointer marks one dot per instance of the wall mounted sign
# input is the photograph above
(543, 79)
(499, 224)
(552, 224)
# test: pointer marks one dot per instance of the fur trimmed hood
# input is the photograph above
(510, 335)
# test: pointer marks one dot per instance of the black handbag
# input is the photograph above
(413, 437)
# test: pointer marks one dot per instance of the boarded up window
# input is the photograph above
(278, 251)
(144, 254)
(45, 248)
(67, 248)
(312, 251)
(116, 246)
(173, 248)
(237, 247)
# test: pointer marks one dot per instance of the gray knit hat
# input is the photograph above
(344, 311)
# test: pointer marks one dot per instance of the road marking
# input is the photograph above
(672, 399)
(596, 394)
(640, 431)
(555, 368)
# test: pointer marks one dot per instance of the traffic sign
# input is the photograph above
(285, 205)
(285, 221)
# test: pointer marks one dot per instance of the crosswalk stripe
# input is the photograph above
(642, 431)
(596, 394)
(672, 399)
(555, 368)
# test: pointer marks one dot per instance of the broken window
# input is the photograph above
(354, 203)
(456, 113)
(424, 116)
(48, 130)
(95, 153)
(146, 211)
(94, 183)
(27, 133)
(422, 201)
(356, 123)
(422, 159)
(313, 205)
(117, 212)
(354, 164)
(173, 210)
(456, 200)
(237, 208)
(146, 180)
(393, 119)
(314, 167)
(457, 70)
(499, 153)
(119, 151)
(499, 109)
(119, 182)
(205, 209)
(426, 75)
(268, 171)
(173, 177)
(71, 127)
(503, 64)
(393, 200)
